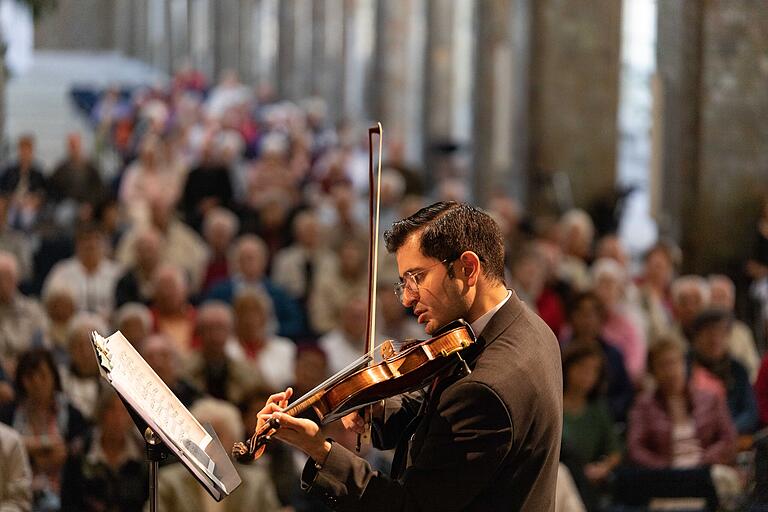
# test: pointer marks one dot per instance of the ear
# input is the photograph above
(470, 264)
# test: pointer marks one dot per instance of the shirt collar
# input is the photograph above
(479, 324)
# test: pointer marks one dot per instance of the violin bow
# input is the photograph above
(374, 210)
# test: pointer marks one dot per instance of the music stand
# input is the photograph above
(165, 424)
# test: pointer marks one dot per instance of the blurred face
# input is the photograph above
(159, 356)
(439, 299)
(583, 375)
(133, 329)
(214, 328)
(311, 369)
(74, 145)
(250, 318)
(712, 341)
(252, 261)
(8, 281)
(658, 269)
(351, 259)
(170, 290)
(147, 251)
(39, 384)
(90, 250)
(82, 354)
(219, 237)
(307, 231)
(690, 303)
(586, 320)
(354, 319)
(530, 274)
(669, 371)
(60, 307)
(26, 152)
(115, 419)
(609, 290)
(721, 295)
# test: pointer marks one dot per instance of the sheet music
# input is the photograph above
(133, 378)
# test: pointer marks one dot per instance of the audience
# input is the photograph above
(590, 446)
(110, 473)
(713, 368)
(239, 225)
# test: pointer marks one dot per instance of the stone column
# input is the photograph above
(201, 37)
(248, 36)
(267, 43)
(158, 25)
(328, 53)
(574, 97)
(123, 26)
(493, 95)
(286, 50)
(359, 27)
(733, 130)
(439, 77)
(140, 43)
(398, 81)
(679, 70)
(179, 32)
(226, 35)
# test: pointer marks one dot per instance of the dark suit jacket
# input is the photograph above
(487, 441)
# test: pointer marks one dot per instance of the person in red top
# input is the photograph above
(761, 391)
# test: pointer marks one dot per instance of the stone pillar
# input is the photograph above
(286, 50)
(398, 82)
(140, 42)
(123, 26)
(493, 94)
(574, 97)
(679, 70)
(248, 37)
(328, 53)
(359, 26)
(733, 129)
(439, 78)
(179, 32)
(226, 35)
(201, 37)
(267, 43)
(158, 25)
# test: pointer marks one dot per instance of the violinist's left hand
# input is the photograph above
(302, 433)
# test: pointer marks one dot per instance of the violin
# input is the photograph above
(405, 366)
(410, 367)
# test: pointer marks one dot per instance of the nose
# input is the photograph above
(409, 298)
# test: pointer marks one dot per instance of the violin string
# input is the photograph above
(353, 366)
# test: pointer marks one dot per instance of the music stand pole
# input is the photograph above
(155, 453)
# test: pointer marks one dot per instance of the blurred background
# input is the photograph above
(194, 173)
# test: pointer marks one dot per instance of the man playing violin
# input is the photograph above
(481, 441)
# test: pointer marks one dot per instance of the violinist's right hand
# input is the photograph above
(354, 422)
(275, 403)
(357, 420)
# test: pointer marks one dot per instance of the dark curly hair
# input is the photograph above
(450, 228)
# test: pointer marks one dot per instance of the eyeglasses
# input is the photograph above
(410, 280)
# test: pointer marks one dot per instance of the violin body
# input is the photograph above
(412, 368)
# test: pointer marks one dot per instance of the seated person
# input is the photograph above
(110, 472)
(211, 369)
(50, 425)
(178, 489)
(590, 442)
(15, 473)
(586, 316)
(676, 431)
(80, 379)
(711, 364)
(160, 354)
